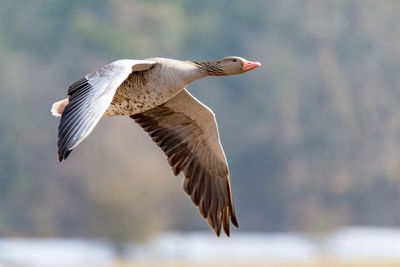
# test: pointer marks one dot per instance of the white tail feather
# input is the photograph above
(58, 108)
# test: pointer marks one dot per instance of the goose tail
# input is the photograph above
(58, 108)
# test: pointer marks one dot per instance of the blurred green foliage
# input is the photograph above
(312, 137)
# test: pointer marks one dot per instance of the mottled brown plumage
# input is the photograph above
(152, 92)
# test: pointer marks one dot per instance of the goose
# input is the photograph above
(153, 93)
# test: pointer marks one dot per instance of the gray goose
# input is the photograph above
(152, 92)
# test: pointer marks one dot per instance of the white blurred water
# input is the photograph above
(347, 244)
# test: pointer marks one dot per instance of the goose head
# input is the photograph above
(226, 66)
(236, 65)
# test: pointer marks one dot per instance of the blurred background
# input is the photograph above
(312, 137)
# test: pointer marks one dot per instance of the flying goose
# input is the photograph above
(152, 92)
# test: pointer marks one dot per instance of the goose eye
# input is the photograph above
(234, 60)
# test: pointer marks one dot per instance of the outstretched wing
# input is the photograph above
(89, 98)
(187, 132)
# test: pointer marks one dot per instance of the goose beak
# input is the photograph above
(248, 65)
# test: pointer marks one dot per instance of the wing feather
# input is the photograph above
(89, 98)
(187, 132)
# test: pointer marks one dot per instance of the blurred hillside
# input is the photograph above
(312, 137)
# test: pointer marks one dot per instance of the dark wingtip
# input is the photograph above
(66, 154)
(234, 221)
(218, 226)
(60, 154)
(217, 232)
(63, 155)
(226, 229)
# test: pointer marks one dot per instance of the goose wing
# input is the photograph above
(89, 98)
(187, 132)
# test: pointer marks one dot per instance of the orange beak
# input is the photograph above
(248, 65)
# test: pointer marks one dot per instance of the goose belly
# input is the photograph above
(129, 100)
(130, 106)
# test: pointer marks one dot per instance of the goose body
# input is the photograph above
(152, 92)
